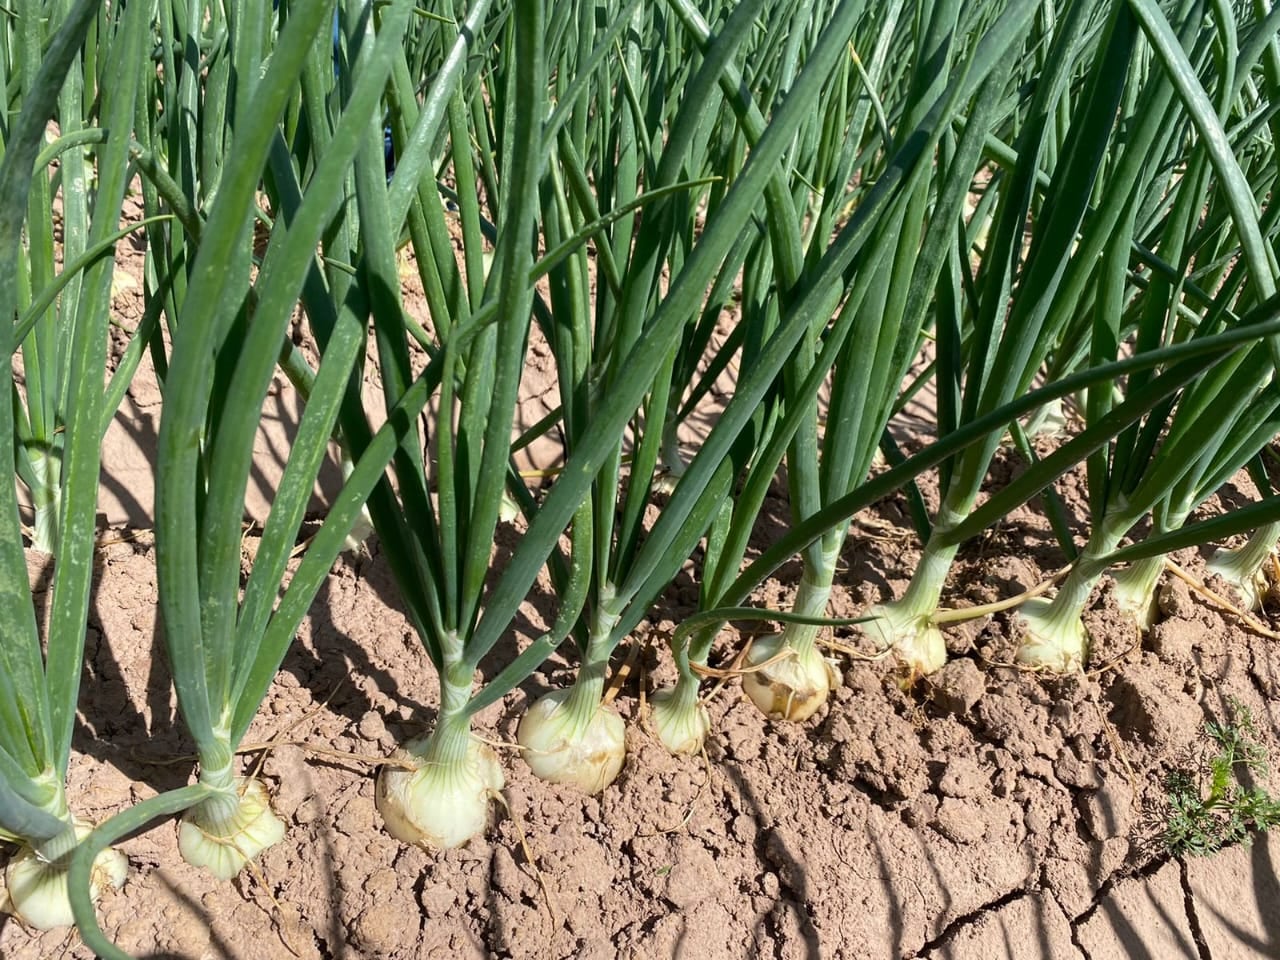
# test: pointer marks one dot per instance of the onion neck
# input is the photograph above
(218, 812)
(1067, 605)
(1242, 567)
(811, 598)
(695, 650)
(450, 741)
(588, 687)
(55, 795)
(687, 652)
(907, 625)
(680, 721)
(1135, 588)
(1089, 567)
(57, 850)
(1250, 557)
(684, 696)
(216, 761)
(925, 589)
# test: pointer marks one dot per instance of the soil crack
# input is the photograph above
(1144, 872)
(1075, 923)
(960, 922)
(1193, 919)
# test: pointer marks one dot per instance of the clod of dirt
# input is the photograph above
(693, 877)
(1173, 598)
(960, 820)
(381, 928)
(1149, 705)
(893, 763)
(957, 687)
(1076, 880)
(1107, 812)
(963, 779)
(1174, 640)
(1075, 765)
(1021, 726)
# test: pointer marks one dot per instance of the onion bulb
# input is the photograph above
(35, 888)
(441, 804)
(579, 746)
(794, 687)
(1247, 579)
(681, 722)
(229, 829)
(1055, 636)
(916, 641)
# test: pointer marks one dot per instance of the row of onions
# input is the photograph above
(1008, 204)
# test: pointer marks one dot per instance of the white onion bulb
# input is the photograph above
(35, 889)
(226, 831)
(439, 805)
(1055, 643)
(916, 642)
(794, 687)
(562, 746)
(682, 727)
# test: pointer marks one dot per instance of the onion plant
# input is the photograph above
(895, 274)
(225, 640)
(65, 363)
(994, 334)
(568, 735)
(49, 300)
(224, 653)
(443, 799)
(977, 434)
(478, 348)
(797, 683)
(1173, 462)
(223, 677)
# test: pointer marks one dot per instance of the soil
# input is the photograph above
(903, 820)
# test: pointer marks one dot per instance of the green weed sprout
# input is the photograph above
(1209, 808)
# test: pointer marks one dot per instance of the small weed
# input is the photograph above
(1208, 807)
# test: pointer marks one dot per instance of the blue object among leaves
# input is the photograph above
(388, 147)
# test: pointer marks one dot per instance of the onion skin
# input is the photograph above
(1050, 644)
(791, 689)
(224, 848)
(438, 806)
(560, 747)
(1250, 585)
(681, 729)
(916, 642)
(35, 890)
